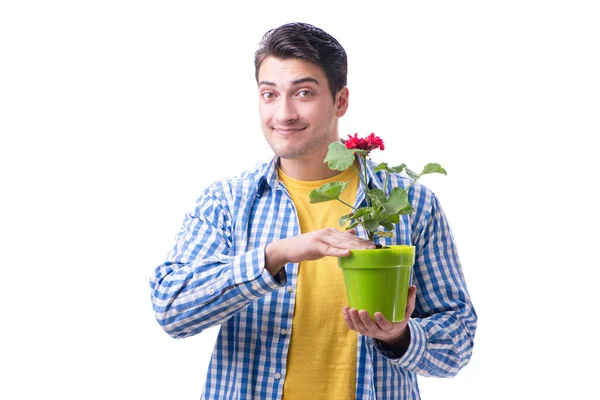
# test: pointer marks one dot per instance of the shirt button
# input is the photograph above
(405, 364)
(289, 289)
(255, 287)
(211, 291)
(283, 332)
(278, 376)
(249, 274)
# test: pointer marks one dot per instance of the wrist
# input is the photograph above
(274, 259)
(399, 345)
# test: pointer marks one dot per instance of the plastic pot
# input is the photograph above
(378, 279)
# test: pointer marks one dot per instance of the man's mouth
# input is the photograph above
(289, 130)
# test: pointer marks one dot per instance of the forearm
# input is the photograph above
(396, 348)
(275, 258)
(440, 345)
(443, 325)
(447, 343)
(188, 298)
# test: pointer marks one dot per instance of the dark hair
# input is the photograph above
(307, 42)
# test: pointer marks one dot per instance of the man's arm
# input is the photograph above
(202, 284)
(313, 246)
(438, 339)
(443, 325)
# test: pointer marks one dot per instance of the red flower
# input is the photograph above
(369, 143)
(353, 142)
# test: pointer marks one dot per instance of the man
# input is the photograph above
(257, 258)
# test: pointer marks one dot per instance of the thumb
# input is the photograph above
(412, 297)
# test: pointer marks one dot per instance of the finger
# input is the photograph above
(348, 319)
(333, 248)
(330, 250)
(342, 240)
(410, 304)
(359, 243)
(357, 321)
(383, 323)
(369, 324)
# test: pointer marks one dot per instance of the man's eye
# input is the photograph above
(268, 95)
(305, 93)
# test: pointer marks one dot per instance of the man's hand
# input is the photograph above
(395, 335)
(312, 246)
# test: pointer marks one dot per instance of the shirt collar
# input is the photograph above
(268, 175)
(373, 179)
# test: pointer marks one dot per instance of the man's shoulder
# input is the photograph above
(259, 170)
(242, 182)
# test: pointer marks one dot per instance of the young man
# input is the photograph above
(257, 258)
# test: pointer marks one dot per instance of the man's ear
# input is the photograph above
(341, 102)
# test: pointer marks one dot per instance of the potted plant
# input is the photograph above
(377, 279)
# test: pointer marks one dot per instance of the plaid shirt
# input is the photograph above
(215, 275)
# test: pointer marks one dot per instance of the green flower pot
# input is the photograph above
(378, 280)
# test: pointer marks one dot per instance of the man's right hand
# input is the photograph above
(312, 246)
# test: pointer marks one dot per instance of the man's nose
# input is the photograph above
(286, 112)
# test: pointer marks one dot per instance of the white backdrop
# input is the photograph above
(116, 114)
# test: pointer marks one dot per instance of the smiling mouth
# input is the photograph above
(288, 131)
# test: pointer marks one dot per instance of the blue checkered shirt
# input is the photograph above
(215, 275)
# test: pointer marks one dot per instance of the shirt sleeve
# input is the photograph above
(442, 327)
(202, 283)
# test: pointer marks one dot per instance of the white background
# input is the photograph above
(116, 114)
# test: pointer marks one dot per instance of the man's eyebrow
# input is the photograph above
(294, 82)
(302, 80)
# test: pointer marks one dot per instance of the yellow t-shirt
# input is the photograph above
(321, 361)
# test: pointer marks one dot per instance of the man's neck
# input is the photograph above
(311, 168)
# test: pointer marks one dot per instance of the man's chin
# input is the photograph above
(289, 153)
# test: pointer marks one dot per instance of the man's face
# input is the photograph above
(297, 113)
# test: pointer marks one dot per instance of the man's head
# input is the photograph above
(301, 76)
(306, 42)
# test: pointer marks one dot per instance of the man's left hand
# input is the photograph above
(393, 334)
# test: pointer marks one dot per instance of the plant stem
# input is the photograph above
(387, 175)
(365, 168)
(359, 175)
(364, 183)
(412, 183)
(347, 204)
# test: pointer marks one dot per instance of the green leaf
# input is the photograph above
(397, 201)
(399, 168)
(382, 167)
(433, 168)
(339, 158)
(371, 225)
(362, 212)
(394, 219)
(345, 218)
(327, 192)
(412, 174)
(378, 195)
(388, 225)
(353, 225)
(384, 234)
(406, 210)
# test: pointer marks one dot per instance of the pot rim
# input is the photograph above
(394, 257)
